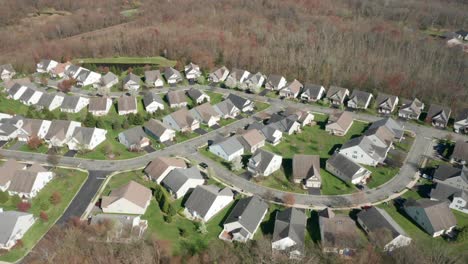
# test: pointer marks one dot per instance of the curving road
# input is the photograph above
(189, 148)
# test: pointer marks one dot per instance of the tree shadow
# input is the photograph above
(334, 149)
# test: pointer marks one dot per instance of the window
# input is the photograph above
(354, 157)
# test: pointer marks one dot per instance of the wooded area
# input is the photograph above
(375, 45)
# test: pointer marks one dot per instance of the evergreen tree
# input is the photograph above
(89, 120)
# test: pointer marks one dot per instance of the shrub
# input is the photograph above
(44, 205)
(44, 217)
(168, 218)
(55, 198)
(23, 206)
(171, 210)
(3, 197)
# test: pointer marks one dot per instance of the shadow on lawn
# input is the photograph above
(313, 226)
(269, 226)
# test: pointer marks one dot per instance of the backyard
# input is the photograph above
(67, 183)
(159, 61)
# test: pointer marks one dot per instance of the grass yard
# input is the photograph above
(260, 106)
(279, 181)
(160, 61)
(381, 175)
(41, 149)
(214, 97)
(10, 106)
(67, 183)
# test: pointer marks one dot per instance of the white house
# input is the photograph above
(10, 131)
(312, 92)
(192, 71)
(87, 77)
(181, 120)
(7, 172)
(160, 167)
(73, 104)
(359, 99)
(16, 91)
(7, 72)
(346, 169)
(205, 113)
(198, 96)
(306, 170)
(176, 99)
(50, 101)
(134, 138)
(206, 201)
(362, 150)
(60, 132)
(86, 138)
(219, 75)
(99, 106)
(386, 103)
(172, 75)
(460, 202)
(289, 232)
(59, 70)
(179, 181)
(236, 78)
(152, 102)
(45, 66)
(154, 79)
(14, 226)
(275, 82)
(127, 105)
(264, 163)
(228, 149)
(159, 130)
(227, 109)
(243, 104)
(132, 198)
(107, 81)
(131, 82)
(27, 183)
(33, 127)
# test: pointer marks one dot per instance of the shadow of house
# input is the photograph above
(221, 222)
(288, 169)
(332, 151)
(268, 226)
(313, 227)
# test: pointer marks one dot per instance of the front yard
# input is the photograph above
(67, 183)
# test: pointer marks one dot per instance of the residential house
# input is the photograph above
(179, 181)
(86, 138)
(154, 79)
(105, 84)
(14, 226)
(33, 127)
(461, 122)
(312, 92)
(219, 75)
(73, 104)
(127, 104)
(181, 120)
(159, 130)
(176, 99)
(434, 217)
(386, 103)
(438, 115)
(392, 125)
(45, 66)
(243, 104)
(132, 198)
(160, 167)
(122, 226)
(99, 106)
(192, 71)
(59, 70)
(253, 83)
(87, 77)
(245, 218)
(131, 82)
(7, 172)
(172, 75)
(359, 99)
(206, 114)
(236, 78)
(206, 201)
(7, 72)
(252, 140)
(338, 233)
(264, 163)
(227, 109)
(378, 224)
(380, 136)
(452, 176)
(337, 95)
(289, 232)
(339, 123)
(31, 96)
(287, 125)
(134, 138)
(28, 182)
(291, 90)
(304, 117)
(411, 109)
(460, 202)
(462, 34)
(50, 101)
(72, 71)
(16, 91)
(198, 96)
(346, 169)
(275, 82)
(152, 102)
(228, 149)
(460, 153)
(60, 132)
(272, 134)
(363, 150)
(306, 170)
(9, 131)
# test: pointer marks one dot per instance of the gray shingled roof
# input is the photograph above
(176, 97)
(263, 158)
(274, 79)
(231, 145)
(194, 94)
(443, 191)
(306, 166)
(108, 78)
(248, 212)
(346, 166)
(444, 172)
(359, 97)
(238, 101)
(84, 134)
(150, 97)
(390, 124)
(225, 107)
(134, 135)
(438, 212)
(385, 101)
(131, 77)
(312, 90)
(291, 223)
(338, 92)
(376, 219)
(7, 67)
(170, 72)
(97, 104)
(203, 197)
(126, 103)
(377, 153)
(8, 222)
(45, 100)
(70, 102)
(156, 127)
(152, 76)
(178, 177)
(460, 151)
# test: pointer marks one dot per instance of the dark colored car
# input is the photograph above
(203, 165)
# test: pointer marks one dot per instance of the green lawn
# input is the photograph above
(10, 106)
(381, 175)
(214, 97)
(260, 106)
(279, 181)
(41, 149)
(160, 61)
(67, 183)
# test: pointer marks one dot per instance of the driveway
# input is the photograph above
(85, 195)
(149, 149)
(215, 126)
(263, 93)
(200, 131)
(314, 191)
(17, 145)
(70, 153)
(2, 143)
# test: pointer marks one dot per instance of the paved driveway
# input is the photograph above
(70, 153)
(149, 149)
(2, 143)
(200, 131)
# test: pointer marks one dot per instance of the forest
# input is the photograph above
(373, 45)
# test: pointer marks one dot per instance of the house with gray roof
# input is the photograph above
(154, 79)
(228, 149)
(7, 72)
(13, 226)
(72, 71)
(7, 172)
(312, 92)
(438, 116)
(460, 202)
(179, 181)
(172, 75)
(460, 153)
(44, 65)
(206, 201)
(364, 151)
(264, 163)
(152, 102)
(227, 109)
(99, 106)
(337, 95)
(87, 77)
(134, 138)
(253, 83)
(16, 91)
(127, 104)
(159, 130)
(291, 89)
(306, 170)
(105, 84)
(434, 217)
(60, 132)
(176, 99)
(86, 138)
(236, 78)
(339, 123)
(346, 169)
(287, 125)
(386, 103)
(289, 232)
(10, 131)
(181, 120)
(218, 75)
(379, 225)
(272, 134)
(453, 176)
(73, 104)
(461, 122)
(131, 198)
(198, 96)
(244, 104)
(50, 101)
(27, 183)
(206, 114)
(359, 99)
(245, 218)
(275, 82)
(131, 82)
(192, 71)
(388, 122)
(33, 127)
(411, 109)
(31, 95)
